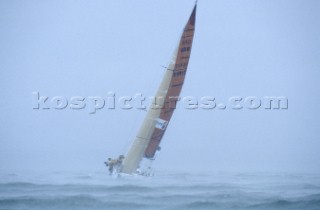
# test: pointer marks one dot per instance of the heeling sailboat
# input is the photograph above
(147, 141)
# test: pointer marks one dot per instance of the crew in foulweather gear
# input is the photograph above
(114, 163)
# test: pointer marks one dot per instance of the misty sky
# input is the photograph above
(88, 48)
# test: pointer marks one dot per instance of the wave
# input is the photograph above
(277, 204)
(17, 184)
(66, 202)
(151, 187)
(310, 202)
(164, 200)
(83, 191)
(67, 188)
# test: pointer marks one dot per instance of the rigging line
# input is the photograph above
(167, 68)
(183, 69)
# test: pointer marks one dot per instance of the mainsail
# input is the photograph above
(147, 141)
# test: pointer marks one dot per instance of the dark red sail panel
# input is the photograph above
(176, 83)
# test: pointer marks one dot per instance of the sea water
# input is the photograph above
(165, 190)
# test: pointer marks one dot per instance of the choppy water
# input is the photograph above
(63, 191)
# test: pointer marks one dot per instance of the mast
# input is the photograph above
(149, 136)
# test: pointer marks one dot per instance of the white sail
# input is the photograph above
(137, 149)
(159, 114)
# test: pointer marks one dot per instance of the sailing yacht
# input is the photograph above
(147, 141)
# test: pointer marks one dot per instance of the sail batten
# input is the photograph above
(158, 116)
